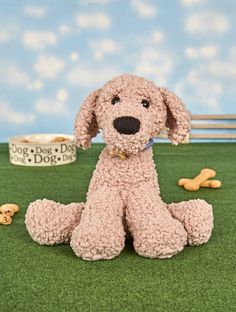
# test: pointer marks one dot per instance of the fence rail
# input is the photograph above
(213, 117)
(211, 123)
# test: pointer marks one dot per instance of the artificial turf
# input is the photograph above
(42, 278)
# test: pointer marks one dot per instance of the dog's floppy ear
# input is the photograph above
(86, 126)
(177, 118)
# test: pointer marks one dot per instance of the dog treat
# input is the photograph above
(194, 185)
(115, 153)
(207, 183)
(59, 139)
(27, 141)
(9, 209)
(5, 219)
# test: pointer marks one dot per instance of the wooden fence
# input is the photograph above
(211, 127)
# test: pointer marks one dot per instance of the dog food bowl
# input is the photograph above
(41, 150)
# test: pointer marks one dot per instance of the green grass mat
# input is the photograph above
(41, 278)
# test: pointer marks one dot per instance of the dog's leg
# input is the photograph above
(100, 233)
(50, 223)
(156, 233)
(197, 218)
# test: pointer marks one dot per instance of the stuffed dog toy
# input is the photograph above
(124, 194)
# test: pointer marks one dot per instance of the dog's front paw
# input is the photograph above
(91, 243)
(197, 217)
(162, 241)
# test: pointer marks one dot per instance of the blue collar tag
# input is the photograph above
(149, 144)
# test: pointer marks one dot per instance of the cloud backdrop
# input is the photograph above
(53, 53)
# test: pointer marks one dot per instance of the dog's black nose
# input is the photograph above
(126, 125)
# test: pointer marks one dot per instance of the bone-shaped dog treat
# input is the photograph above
(9, 209)
(5, 219)
(115, 153)
(194, 185)
(59, 139)
(207, 183)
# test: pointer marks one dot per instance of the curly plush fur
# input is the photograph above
(125, 193)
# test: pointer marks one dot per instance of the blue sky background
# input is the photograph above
(54, 52)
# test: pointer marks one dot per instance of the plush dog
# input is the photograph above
(124, 191)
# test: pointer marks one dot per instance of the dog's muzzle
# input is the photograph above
(126, 125)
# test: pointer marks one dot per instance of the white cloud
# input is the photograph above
(89, 75)
(49, 66)
(154, 64)
(53, 106)
(50, 107)
(35, 11)
(207, 23)
(39, 40)
(4, 36)
(204, 85)
(93, 20)
(157, 36)
(8, 31)
(103, 47)
(144, 8)
(74, 56)
(192, 53)
(62, 95)
(223, 69)
(64, 29)
(200, 90)
(204, 52)
(8, 114)
(189, 3)
(15, 76)
(36, 85)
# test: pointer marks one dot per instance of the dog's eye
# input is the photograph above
(145, 103)
(115, 100)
